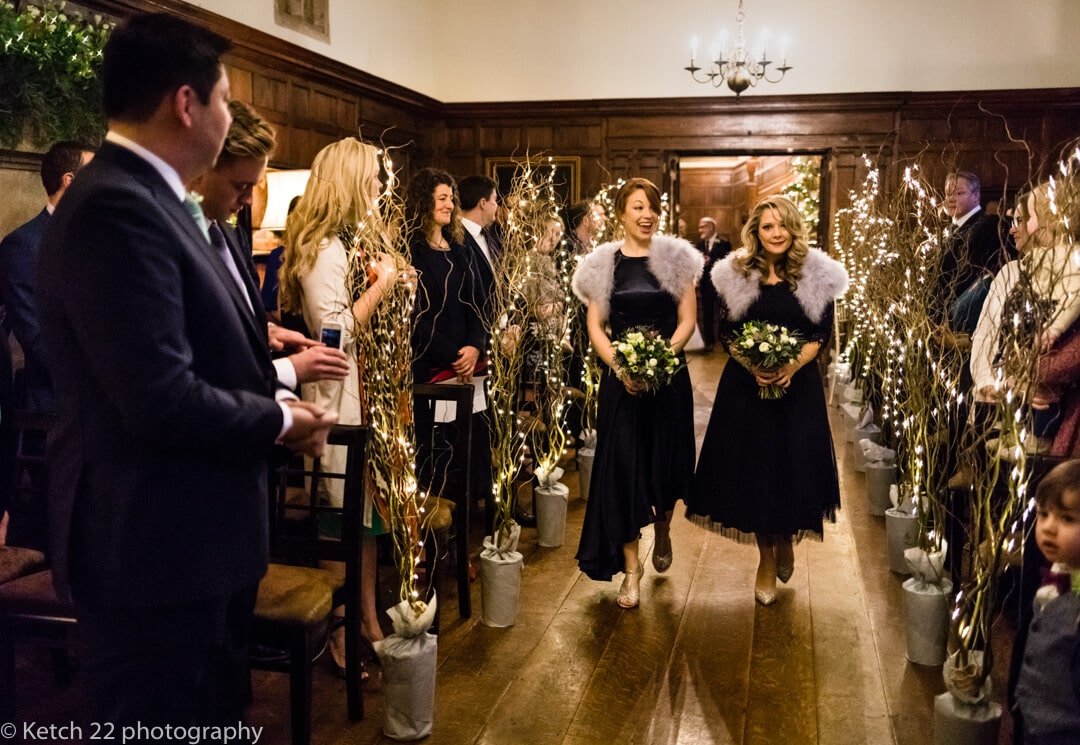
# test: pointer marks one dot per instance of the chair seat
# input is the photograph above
(34, 595)
(442, 516)
(15, 562)
(296, 596)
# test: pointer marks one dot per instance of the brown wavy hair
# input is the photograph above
(753, 254)
(420, 204)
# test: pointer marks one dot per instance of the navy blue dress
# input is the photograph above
(767, 466)
(645, 444)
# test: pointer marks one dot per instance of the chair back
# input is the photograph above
(301, 531)
(426, 398)
(29, 492)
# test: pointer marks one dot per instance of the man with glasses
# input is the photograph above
(973, 247)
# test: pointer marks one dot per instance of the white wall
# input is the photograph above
(387, 38)
(500, 50)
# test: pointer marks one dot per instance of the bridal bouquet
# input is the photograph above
(646, 357)
(768, 346)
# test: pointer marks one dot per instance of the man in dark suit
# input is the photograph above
(227, 188)
(714, 249)
(479, 207)
(19, 258)
(973, 246)
(166, 397)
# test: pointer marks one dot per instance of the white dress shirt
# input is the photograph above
(477, 232)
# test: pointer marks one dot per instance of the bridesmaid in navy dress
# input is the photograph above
(767, 471)
(645, 440)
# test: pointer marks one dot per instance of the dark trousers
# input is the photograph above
(707, 302)
(178, 665)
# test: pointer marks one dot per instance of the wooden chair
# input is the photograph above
(29, 606)
(458, 482)
(294, 608)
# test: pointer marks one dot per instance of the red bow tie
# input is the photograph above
(1061, 580)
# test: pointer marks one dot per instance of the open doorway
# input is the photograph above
(726, 187)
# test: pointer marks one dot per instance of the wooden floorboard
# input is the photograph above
(698, 663)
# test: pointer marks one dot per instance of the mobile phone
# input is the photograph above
(330, 335)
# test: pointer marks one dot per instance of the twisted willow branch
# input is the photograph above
(385, 359)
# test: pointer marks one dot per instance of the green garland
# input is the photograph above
(50, 75)
(805, 192)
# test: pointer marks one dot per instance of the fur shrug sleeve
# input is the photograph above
(823, 280)
(676, 265)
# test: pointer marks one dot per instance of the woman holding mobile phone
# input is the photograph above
(343, 189)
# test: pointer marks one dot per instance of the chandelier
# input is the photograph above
(739, 70)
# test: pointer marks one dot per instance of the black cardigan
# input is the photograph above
(447, 315)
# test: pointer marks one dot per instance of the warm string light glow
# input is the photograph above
(387, 383)
(911, 364)
(528, 216)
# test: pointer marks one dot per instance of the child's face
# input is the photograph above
(1057, 530)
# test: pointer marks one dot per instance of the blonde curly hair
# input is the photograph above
(752, 257)
(337, 197)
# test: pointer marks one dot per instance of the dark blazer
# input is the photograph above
(157, 491)
(720, 249)
(19, 254)
(483, 273)
(972, 250)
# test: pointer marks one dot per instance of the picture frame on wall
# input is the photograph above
(310, 17)
(567, 179)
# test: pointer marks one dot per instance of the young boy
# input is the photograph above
(1048, 688)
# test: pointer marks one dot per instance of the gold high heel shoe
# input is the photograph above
(630, 591)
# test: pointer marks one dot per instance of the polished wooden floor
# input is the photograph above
(698, 662)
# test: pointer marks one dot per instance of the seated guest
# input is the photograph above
(19, 253)
(314, 280)
(225, 189)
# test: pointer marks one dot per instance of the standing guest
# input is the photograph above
(343, 190)
(19, 258)
(776, 278)
(479, 208)
(449, 334)
(577, 219)
(1047, 695)
(645, 441)
(973, 245)
(166, 398)
(227, 188)
(713, 248)
(681, 227)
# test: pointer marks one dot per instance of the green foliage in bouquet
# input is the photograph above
(768, 346)
(50, 74)
(646, 357)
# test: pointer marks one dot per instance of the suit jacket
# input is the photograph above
(971, 250)
(157, 490)
(720, 249)
(483, 272)
(19, 253)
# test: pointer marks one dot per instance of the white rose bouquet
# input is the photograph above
(645, 357)
(768, 346)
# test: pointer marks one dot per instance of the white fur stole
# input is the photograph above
(823, 280)
(674, 262)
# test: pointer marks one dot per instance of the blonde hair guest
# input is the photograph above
(342, 192)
